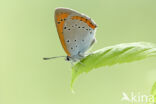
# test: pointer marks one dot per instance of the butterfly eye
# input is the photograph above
(68, 59)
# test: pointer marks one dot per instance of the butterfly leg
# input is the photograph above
(81, 63)
(72, 64)
(81, 55)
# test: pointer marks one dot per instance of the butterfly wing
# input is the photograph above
(76, 31)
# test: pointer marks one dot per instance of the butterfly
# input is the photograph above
(76, 32)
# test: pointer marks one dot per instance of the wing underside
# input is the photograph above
(76, 31)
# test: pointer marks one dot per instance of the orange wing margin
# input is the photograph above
(89, 23)
(60, 19)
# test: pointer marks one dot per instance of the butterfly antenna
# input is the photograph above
(48, 58)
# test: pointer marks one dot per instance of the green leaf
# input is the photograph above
(121, 53)
(153, 91)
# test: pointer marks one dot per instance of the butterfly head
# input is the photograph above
(72, 59)
(68, 58)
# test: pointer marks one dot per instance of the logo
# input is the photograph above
(137, 98)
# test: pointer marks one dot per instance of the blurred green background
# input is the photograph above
(28, 33)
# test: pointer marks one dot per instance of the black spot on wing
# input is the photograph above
(68, 41)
